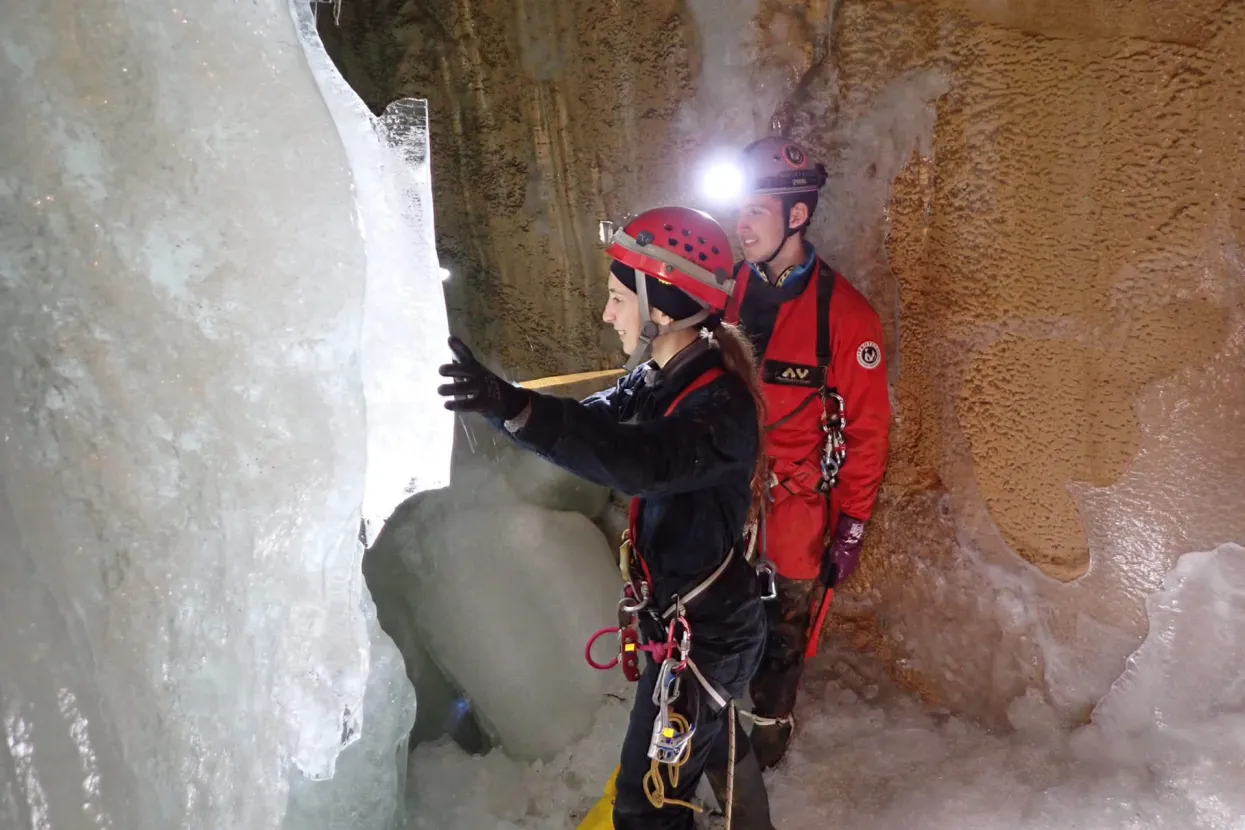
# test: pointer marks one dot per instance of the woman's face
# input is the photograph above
(622, 311)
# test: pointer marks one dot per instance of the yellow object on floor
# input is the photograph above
(601, 816)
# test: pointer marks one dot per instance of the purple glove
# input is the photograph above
(844, 553)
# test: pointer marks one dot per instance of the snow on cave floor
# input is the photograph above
(1166, 749)
(879, 763)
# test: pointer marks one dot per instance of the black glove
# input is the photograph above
(476, 389)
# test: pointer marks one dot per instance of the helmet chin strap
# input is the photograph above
(763, 265)
(649, 330)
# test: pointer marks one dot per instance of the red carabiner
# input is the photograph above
(682, 645)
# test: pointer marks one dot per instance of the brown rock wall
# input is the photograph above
(1042, 199)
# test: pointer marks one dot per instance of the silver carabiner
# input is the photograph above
(634, 606)
(766, 568)
(667, 689)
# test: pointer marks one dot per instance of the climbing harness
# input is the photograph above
(670, 744)
(671, 740)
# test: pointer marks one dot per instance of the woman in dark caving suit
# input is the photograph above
(680, 434)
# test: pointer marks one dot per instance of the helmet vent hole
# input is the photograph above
(686, 232)
(668, 228)
(702, 257)
(715, 250)
(688, 247)
(674, 243)
(701, 240)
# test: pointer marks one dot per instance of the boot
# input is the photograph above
(769, 741)
(750, 806)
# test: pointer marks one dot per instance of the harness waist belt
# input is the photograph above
(704, 585)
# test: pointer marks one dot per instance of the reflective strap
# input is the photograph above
(719, 698)
(755, 528)
(644, 341)
(758, 720)
(699, 589)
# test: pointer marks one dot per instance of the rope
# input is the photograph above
(592, 641)
(655, 788)
(559, 380)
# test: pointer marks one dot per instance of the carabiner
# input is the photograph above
(630, 605)
(767, 570)
(666, 691)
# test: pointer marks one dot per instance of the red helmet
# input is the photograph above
(681, 247)
(774, 166)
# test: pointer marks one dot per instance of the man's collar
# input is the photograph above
(794, 274)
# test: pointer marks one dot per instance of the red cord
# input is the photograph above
(592, 642)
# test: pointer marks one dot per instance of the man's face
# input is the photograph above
(622, 311)
(760, 226)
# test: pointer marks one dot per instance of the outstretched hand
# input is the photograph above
(476, 389)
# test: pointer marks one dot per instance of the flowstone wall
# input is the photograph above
(1041, 200)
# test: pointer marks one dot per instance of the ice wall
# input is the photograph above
(191, 244)
(405, 325)
(500, 579)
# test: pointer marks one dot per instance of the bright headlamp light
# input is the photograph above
(722, 183)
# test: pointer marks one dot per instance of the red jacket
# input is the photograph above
(800, 356)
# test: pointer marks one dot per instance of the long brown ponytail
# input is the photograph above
(739, 359)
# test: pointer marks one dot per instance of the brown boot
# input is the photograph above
(769, 741)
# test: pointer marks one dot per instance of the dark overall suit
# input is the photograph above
(692, 472)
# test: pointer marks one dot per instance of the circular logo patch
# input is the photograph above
(794, 155)
(869, 355)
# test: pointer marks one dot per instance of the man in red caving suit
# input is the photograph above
(818, 343)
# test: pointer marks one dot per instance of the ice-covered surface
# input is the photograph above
(1165, 748)
(369, 780)
(408, 431)
(182, 426)
(451, 789)
(404, 319)
(500, 579)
